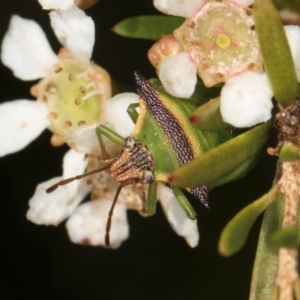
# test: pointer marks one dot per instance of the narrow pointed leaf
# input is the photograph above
(277, 57)
(208, 116)
(238, 172)
(275, 294)
(266, 260)
(234, 235)
(146, 27)
(221, 160)
(289, 152)
(287, 237)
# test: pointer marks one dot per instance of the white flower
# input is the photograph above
(185, 9)
(177, 218)
(56, 4)
(87, 222)
(26, 51)
(293, 36)
(246, 99)
(21, 122)
(209, 42)
(184, 74)
(87, 225)
(52, 208)
(188, 8)
(75, 31)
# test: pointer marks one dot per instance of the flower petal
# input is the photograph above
(26, 51)
(117, 115)
(56, 4)
(178, 74)
(87, 225)
(293, 36)
(246, 99)
(187, 8)
(21, 121)
(52, 208)
(244, 3)
(177, 218)
(84, 139)
(75, 31)
(74, 163)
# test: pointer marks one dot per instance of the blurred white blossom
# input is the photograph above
(56, 4)
(72, 91)
(218, 42)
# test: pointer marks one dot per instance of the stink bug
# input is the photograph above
(163, 140)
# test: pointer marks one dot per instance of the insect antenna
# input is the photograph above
(111, 211)
(68, 180)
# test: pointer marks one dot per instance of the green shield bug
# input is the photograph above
(163, 140)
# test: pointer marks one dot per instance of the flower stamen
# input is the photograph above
(84, 88)
(52, 116)
(50, 88)
(87, 96)
(57, 68)
(73, 77)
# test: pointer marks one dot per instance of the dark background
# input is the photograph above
(39, 262)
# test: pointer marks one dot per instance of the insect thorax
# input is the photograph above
(134, 164)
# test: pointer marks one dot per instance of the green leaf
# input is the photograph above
(266, 260)
(277, 57)
(289, 152)
(296, 288)
(275, 293)
(234, 235)
(208, 116)
(291, 5)
(287, 237)
(238, 172)
(151, 27)
(221, 160)
(205, 93)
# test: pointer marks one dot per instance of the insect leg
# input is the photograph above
(132, 112)
(184, 203)
(110, 134)
(111, 211)
(151, 199)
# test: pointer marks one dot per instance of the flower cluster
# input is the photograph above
(218, 43)
(73, 97)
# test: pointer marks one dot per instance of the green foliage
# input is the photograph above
(291, 5)
(287, 237)
(266, 260)
(208, 116)
(234, 235)
(278, 61)
(297, 289)
(223, 159)
(289, 152)
(146, 27)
